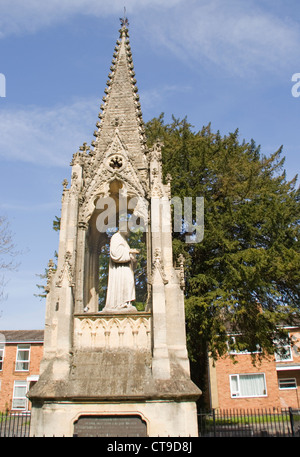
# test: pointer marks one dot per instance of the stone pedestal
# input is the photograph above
(161, 419)
(111, 375)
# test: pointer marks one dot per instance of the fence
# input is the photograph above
(247, 423)
(213, 423)
(14, 424)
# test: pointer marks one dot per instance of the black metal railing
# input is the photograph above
(15, 424)
(213, 423)
(246, 423)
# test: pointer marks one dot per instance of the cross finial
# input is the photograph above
(124, 20)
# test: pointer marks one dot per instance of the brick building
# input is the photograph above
(20, 355)
(273, 382)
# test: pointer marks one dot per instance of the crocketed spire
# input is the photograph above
(121, 109)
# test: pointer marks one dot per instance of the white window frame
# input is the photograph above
(245, 351)
(20, 383)
(31, 379)
(282, 358)
(237, 393)
(2, 353)
(21, 348)
(287, 380)
(284, 345)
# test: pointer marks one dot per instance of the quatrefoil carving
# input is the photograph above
(116, 162)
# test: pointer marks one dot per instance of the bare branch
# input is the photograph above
(8, 253)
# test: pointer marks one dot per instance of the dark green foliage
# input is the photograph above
(56, 224)
(103, 274)
(137, 241)
(243, 277)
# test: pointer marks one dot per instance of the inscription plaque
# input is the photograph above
(111, 426)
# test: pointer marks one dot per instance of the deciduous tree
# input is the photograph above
(8, 253)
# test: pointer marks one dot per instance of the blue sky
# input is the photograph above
(228, 62)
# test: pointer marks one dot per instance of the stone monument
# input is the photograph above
(115, 371)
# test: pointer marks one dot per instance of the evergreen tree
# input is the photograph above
(243, 277)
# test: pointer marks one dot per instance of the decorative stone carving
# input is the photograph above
(181, 261)
(157, 264)
(83, 225)
(67, 269)
(50, 273)
(110, 332)
(116, 162)
(65, 184)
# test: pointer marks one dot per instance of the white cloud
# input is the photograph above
(153, 98)
(42, 207)
(18, 16)
(239, 37)
(242, 38)
(47, 136)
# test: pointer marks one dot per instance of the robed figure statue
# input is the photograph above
(121, 284)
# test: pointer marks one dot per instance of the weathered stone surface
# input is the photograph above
(114, 375)
(108, 330)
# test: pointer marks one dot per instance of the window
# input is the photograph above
(288, 383)
(23, 357)
(1, 356)
(31, 380)
(284, 354)
(248, 385)
(19, 395)
(235, 341)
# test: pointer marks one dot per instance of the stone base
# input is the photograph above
(110, 388)
(159, 418)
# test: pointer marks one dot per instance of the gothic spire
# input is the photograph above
(121, 109)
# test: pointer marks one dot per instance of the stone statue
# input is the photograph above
(121, 286)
